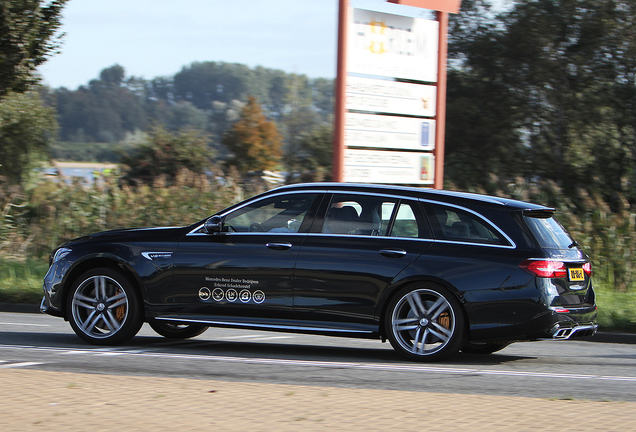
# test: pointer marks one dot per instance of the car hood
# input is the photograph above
(158, 234)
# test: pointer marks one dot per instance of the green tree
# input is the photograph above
(205, 96)
(550, 55)
(203, 83)
(314, 158)
(165, 153)
(253, 140)
(300, 116)
(545, 89)
(104, 111)
(482, 130)
(483, 121)
(27, 38)
(26, 129)
(113, 75)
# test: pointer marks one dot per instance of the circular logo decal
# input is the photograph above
(231, 295)
(245, 296)
(217, 294)
(258, 296)
(204, 293)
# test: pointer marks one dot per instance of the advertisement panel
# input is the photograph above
(392, 45)
(389, 167)
(369, 130)
(390, 97)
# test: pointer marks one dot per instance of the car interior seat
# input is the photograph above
(342, 220)
(370, 222)
(460, 230)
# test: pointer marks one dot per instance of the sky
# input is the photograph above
(155, 38)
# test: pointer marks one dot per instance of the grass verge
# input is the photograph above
(21, 282)
(616, 310)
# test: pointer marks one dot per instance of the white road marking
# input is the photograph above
(24, 324)
(7, 365)
(330, 365)
(75, 352)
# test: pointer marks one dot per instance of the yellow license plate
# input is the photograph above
(576, 274)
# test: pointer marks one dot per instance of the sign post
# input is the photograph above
(391, 95)
(341, 85)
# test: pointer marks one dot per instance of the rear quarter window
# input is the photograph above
(456, 225)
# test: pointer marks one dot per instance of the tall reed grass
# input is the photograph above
(40, 217)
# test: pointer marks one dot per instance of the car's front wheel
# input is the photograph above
(425, 323)
(176, 331)
(103, 308)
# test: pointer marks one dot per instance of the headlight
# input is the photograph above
(60, 254)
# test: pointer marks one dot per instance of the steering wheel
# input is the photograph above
(256, 227)
(293, 225)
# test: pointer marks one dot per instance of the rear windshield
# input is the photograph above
(549, 232)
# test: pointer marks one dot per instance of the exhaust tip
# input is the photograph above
(573, 332)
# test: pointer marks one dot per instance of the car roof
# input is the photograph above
(415, 192)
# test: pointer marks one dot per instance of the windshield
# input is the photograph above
(549, 232)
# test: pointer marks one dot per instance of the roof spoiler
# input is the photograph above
(539, 213)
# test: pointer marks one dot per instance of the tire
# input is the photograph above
(103, 307)
(483, 348)
(176, 331)
(425, 323)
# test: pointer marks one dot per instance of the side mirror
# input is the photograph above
(213, 225)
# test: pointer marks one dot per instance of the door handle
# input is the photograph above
(393, 253)
(279, 246)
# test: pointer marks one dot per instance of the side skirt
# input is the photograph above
(290, 326)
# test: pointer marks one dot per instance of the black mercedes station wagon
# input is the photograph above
(434, 272)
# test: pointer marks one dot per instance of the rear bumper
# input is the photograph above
(573, 322)
(548, 323)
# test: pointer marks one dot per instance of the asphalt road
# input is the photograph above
(547, 369)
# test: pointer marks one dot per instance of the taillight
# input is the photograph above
(545, 268)
(587, 268)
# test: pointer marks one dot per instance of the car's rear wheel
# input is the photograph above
(483, 347)
(425, 323)
(176, 331)
(103, 307)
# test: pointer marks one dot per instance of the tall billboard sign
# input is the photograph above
(393, 46)
(388, 96)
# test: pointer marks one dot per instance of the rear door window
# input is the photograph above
(358, 215)
(407, 224)
(367, 215)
